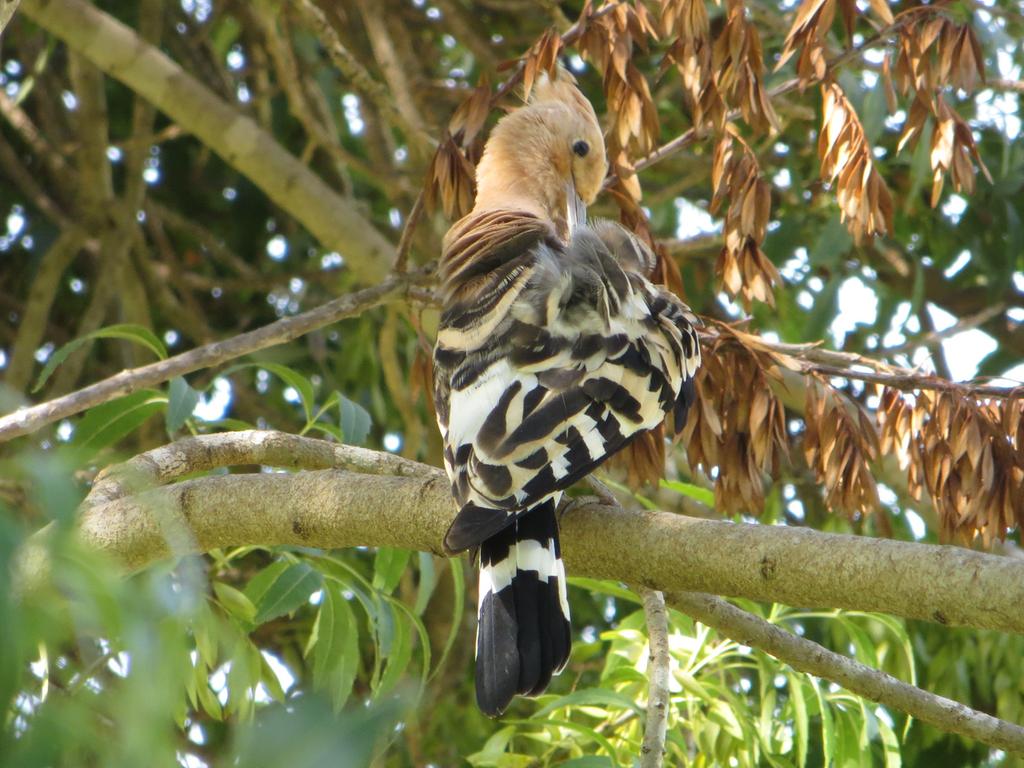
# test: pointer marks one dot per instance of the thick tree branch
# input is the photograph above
(652, 751)
(807, 656)
(796, 566)
(122, 54)
(330, 508)
(26, 420)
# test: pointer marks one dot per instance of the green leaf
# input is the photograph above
(260, 583)
(604, 586)
(427, 583)
(828, 735)
(890, 744)
(234, 601)
(590, 761)
(225, 32)
(336, 653)
(107, 423)
(800, 722)
(494, 747)
(832, 242)
(136, 333)
(181, 402)
(344, 677)
(296, 381)
(398, 657)
(269, 679)
(458, 606)
(388, 566)
(289, 591)
(703, 495)
(589, 697)
(354, 421)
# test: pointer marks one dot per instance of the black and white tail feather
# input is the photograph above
(552, 355)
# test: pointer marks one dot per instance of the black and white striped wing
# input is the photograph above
(570, 355)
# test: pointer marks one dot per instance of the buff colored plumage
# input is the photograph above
(553, 353)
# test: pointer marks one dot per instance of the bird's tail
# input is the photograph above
(523, 634)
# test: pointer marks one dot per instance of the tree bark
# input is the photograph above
(338, 508)
(122, 54)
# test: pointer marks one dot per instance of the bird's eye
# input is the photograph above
(581, 148)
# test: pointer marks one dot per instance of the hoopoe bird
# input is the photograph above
(554, 351)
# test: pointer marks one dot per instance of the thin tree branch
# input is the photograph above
(387, 59)
(692, 134)
(291, 82)
(405, 242)
(807, 656)
(7, 9)
(26, 420)
(935, 337)
(910, 381)
(353, 70)
(652, 751)
(37, 306)
(119, 52)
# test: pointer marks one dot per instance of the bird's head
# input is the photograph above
(543, 154)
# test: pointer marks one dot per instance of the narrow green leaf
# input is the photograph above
(207, 698)
(296, 381)
(388, 566)
(604, 586)
(427, 583)
(890, 744)
(458, 606)
(590, 761)
(127, 331)
(328, 429)
(269, 679)
(290, 590)
(828, 737)
(494, 747)
(324, 636)
(347, 631)
(105, 424)
(260, 583)
(703, 495)
(589, 697)
(181, 402)
(354, 421)
(800, 722)
(582, 730)
(398, 657)
(234, 602)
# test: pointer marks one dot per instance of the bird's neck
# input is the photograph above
(519, 172)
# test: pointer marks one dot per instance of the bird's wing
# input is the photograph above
(559, 356)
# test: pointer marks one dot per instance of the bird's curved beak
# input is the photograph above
(576, 209)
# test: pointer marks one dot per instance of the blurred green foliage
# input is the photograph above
(304, 657)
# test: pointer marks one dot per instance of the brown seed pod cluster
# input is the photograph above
(727, 73)
(609, 41)
(839, 443)
(737, 427)
(864, 199)
(450, 180)
(935, 54)
(967, 454)
(451, 177)
(742, 266)
(813, 20)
